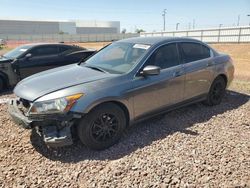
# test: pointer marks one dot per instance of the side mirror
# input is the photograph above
(150, 70)
(29, 55)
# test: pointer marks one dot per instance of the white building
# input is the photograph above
(56, 27)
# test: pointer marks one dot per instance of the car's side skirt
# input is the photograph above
(168, 108)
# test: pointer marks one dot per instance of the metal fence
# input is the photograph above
(19, 39)
(216, 35)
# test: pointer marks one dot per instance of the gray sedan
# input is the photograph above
(126, 82)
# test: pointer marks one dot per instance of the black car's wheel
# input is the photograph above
(102, 127)
(216, 92)
(1, 84)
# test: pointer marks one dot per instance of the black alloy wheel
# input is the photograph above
(216, 92)
(102, 127)
(1, 84)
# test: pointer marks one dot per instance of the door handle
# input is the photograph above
(178, 73)
(210, 63)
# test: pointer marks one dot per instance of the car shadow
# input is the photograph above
(144, 133)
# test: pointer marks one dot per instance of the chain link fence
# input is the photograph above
(77, 38)
(216, 35)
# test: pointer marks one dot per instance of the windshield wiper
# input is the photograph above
(81, 61)
(96, 68)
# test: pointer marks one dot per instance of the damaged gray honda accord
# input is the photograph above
(125, 82)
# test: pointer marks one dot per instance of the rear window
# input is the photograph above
(194, 52)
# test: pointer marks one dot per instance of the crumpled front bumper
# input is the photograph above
(54, 129)
(17, 115)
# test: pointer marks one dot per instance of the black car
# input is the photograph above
(29, 59)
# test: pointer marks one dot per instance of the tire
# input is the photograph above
(216, 92)
(102, 127)
(2, 84)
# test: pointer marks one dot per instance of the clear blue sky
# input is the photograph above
(145, 14)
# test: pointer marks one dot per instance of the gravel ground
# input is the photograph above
(195, 146)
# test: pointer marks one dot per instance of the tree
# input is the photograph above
(124, 30)
(139, 30)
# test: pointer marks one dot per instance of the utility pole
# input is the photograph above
(248, 16)
(177, 24)
(164, 19)
(219, 33)
(193, 23)
(238, 21)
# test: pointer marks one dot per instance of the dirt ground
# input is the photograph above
(195, 146)
(240, 53)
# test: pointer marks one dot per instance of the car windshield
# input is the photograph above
(16, 52)
(117, 58)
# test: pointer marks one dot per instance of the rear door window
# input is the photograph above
(45, 50)
(165, 56)
(194, 52)
(64, 48)
(206, 51)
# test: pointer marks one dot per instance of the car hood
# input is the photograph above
(4, 59)
(53, 80)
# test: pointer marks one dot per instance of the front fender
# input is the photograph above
(85, 107)
(8, 74)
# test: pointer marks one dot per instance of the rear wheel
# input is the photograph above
(102, 127)
(216, 92)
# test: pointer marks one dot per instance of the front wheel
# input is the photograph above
(216, 92)
(1, 84)
(102, 127)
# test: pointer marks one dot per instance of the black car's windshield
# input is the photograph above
(117, 58)
(17, 52)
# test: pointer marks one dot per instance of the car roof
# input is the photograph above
(47, 44)
(157, 40)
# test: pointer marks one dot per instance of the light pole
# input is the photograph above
(238, 20)
(193, 23)
(248, 16)
(164, 19)
(219, 32)
(177, 24)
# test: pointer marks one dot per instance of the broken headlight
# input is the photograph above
(59, 105)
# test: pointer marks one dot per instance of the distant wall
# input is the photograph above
(114, 25)
(21, 27)
(215, 35)
(28, 27)
(67, 27)
(22, 39)
(96, 30)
